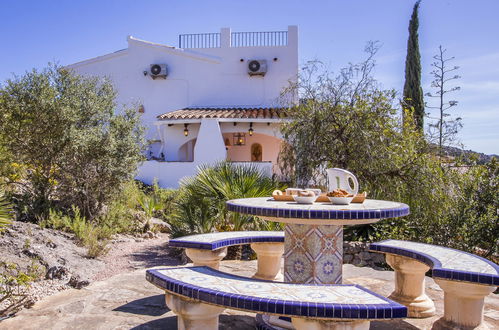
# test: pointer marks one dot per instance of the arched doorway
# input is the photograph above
(256, 152)
(186, 151)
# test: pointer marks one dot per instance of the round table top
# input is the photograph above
(319, 213)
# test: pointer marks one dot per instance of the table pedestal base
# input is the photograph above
(313, 254)
(307, 324)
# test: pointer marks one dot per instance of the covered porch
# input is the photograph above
(195, 136)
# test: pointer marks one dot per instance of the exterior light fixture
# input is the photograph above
(239, 139)
(186, 130)
(250, 131)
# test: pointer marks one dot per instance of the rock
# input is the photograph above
(56, 272)
(30, 253)
(148, 234)
(77, 283)
(160, 225)
(364, 255)
(51, 244)
(347, 258)
(378, 258)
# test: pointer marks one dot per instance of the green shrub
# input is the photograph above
(201, 204)
(77, 144)
(5, 212)
(13, 283)
(94, 237)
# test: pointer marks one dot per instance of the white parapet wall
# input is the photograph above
(169, 174)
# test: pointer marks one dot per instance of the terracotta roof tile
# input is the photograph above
(239, 113)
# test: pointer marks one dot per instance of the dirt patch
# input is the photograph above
(59, 263)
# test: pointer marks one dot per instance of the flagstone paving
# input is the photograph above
(128, 301)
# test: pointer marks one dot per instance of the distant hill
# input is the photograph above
(467, 154)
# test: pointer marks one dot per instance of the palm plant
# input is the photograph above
(214, 185)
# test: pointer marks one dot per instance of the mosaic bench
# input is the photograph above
(209, 249)
(465, 279)
(199, 294)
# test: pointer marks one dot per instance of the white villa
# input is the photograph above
(213, 97)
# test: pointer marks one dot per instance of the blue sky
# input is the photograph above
(335, 31)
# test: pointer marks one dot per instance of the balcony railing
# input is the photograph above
(199, 40)
(237, 39)
(259, 39)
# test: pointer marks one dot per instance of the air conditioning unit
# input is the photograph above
(158, 71)
(257, 67)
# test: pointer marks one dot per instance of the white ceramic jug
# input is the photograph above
(338, 179)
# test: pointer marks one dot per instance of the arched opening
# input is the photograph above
(256, 152)
(186, 151)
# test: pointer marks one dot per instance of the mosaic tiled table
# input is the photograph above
(313, 242)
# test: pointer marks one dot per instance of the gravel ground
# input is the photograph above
(128, 254)
(27, 244)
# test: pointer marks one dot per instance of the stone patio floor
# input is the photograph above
(128, 301)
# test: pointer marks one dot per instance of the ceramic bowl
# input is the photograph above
(305, 199)
(340, 200)
(294, 191)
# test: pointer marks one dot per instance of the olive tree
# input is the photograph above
(73, 145)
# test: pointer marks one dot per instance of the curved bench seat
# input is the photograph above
(464, 277)
(187, 289)
(209, 249)
(214, 241)
(445, 263)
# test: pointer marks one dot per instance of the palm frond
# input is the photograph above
(5, 212)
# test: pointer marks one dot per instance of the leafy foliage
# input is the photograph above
(475, 217)
(13, 283)
(73, 146)
(347, 121)
(201, 205)
(5, 212)
(93, 237)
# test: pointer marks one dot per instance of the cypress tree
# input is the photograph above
(413, 93)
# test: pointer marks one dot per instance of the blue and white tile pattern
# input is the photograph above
(446, 263)
(213, 241)
(215, 287)
(268, 207)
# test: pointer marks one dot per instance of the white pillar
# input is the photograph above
(192, 315)
(210, 146)
(208, 258)
(293, 52)
(225, 36)
(269, 260)
(463, 305)
(410, 286)
(310, 324)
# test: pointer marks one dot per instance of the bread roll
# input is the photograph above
(306, 193)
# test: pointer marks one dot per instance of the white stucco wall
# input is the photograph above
(207, 77)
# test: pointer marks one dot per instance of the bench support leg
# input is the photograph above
(410, 286)
(192, 315)
(269, 260)
(307, 324)
(208, 258)
(463, 305)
